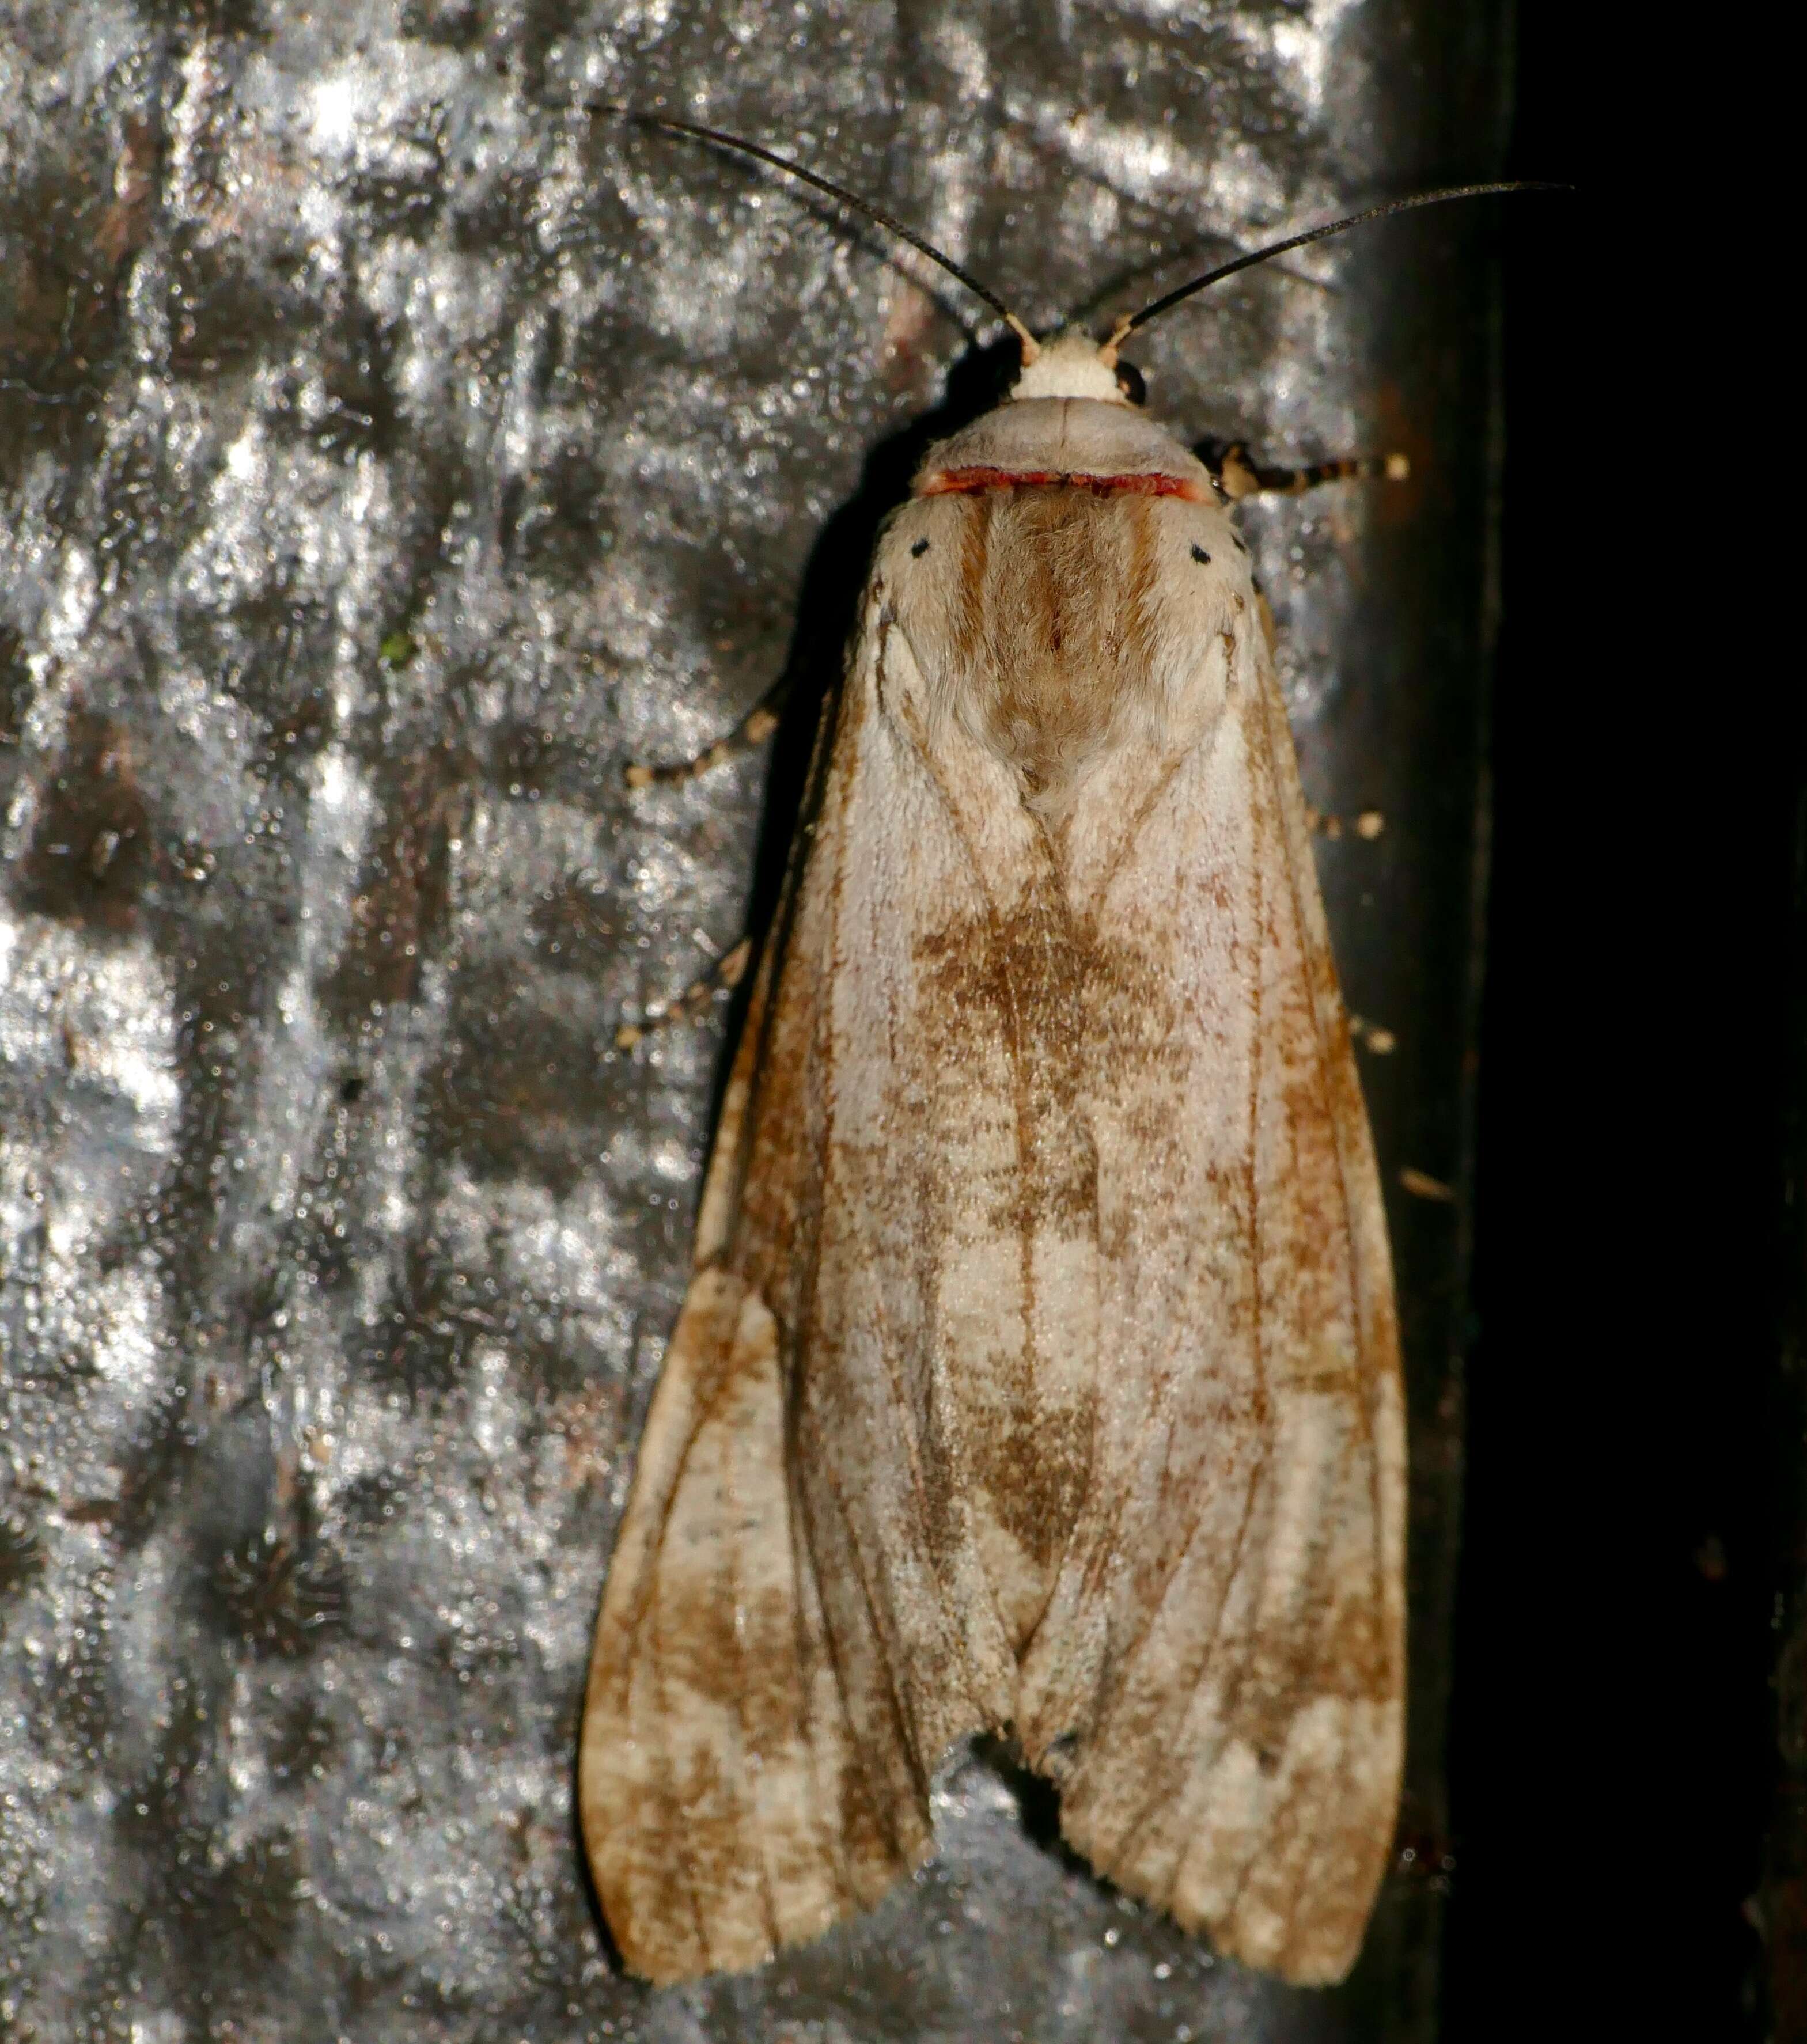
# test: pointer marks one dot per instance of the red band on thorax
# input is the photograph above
(970, 481)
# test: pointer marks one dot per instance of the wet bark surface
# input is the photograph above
(391, 451)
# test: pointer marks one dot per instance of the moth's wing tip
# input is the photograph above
(1286, 1885)
(1315, 1942)
(1314, 1946)
(663, 1961)
(723, 1802)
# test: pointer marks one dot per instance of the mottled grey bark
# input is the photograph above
(389, 453)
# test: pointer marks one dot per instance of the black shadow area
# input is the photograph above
(828, 608)
(1614, 1755)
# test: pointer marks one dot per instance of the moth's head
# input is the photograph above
(1074, 365)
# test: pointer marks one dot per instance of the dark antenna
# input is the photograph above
(886, 220)
(1128, 325)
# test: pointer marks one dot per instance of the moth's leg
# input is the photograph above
(726, 973)
(1373, 1036)
(722, 977)
(1240, 477)
(1368, 824)
(759, 724)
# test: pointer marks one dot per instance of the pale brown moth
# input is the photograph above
(1040, 1373)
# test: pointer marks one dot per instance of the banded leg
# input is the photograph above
(722, 977)
(728, 971)
(759, 724)
(1368, 824)
(1239, 477)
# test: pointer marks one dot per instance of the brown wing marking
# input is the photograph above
(725, 1808)
(772, 1674)
(1231, 1749)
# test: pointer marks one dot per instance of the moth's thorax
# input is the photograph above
(1089, 442)
(1060, 574)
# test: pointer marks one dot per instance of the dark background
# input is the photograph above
(1632, 1566)
(431, 459)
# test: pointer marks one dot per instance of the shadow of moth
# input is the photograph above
(1039, 1371)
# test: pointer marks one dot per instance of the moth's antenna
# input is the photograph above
(886, 220)
(1128, 325)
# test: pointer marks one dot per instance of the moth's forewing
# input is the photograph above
(1040, 1374)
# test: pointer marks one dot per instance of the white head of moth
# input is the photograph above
(1072, 365)
(1038, 1373)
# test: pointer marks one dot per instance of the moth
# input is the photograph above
(1039, 1371)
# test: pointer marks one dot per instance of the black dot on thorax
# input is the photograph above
(919, 550)
(1200, 556)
